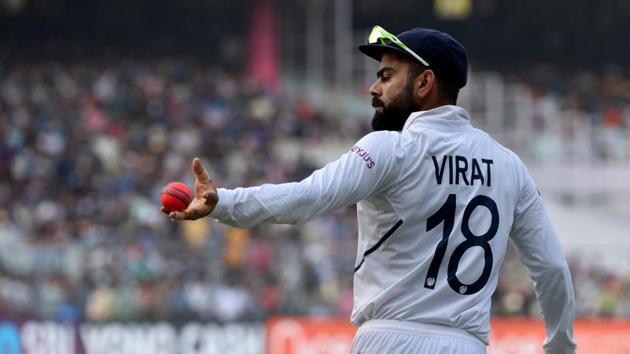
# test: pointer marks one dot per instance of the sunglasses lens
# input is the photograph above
(379, 33)
(374, 35)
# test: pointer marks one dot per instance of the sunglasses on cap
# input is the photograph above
(379, 34)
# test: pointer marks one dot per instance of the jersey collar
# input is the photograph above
(446, 115)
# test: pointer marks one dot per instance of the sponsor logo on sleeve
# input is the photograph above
(364, 155)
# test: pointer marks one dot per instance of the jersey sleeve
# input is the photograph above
(539, 249)
(363, 171)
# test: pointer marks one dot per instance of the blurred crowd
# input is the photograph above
(85, 150)
(579, 117)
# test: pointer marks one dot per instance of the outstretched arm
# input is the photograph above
(364, 170)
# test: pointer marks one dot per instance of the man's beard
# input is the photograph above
(394, 115)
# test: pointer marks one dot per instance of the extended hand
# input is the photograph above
(205, 199)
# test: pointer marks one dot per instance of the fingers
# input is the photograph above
(189, 214)
(178, 216)
(184, 215)
(200, 171)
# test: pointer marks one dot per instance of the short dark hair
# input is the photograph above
(448, 89)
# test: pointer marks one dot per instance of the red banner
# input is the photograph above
(525, 336)
(263, 45)
(508, 336)
(307, 335)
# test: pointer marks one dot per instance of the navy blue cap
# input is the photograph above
(446, 57)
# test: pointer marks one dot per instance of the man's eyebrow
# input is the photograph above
(382, 71)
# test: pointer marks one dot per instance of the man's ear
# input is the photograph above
(425, 83)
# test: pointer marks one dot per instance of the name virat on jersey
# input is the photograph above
(462, 170)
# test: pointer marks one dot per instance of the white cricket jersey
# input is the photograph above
(436, 205)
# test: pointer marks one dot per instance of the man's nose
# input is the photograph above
(375, 89)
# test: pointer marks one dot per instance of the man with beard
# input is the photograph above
(437, 201)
